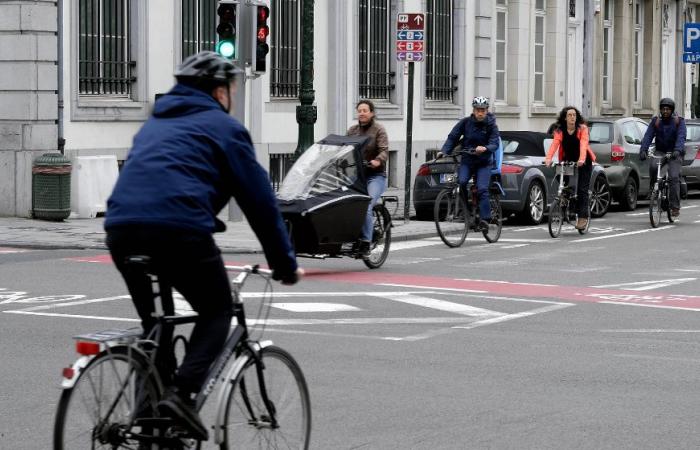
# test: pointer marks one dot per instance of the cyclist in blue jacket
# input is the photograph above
(186, 163)
(480, 138)
(669, 131)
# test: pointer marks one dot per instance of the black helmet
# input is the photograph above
(209, 66)
(667, 102)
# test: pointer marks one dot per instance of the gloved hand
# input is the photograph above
(642, 156)
(675, 154)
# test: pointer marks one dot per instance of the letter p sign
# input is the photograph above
(692, 37)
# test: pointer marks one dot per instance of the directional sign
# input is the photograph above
(410, 37)
(411, 21)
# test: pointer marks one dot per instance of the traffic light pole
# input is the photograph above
(409, 146)
(238, 111)
(306, 112)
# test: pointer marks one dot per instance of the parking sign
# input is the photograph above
(691, 43)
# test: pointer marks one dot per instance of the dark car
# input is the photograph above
(528, 184)
(616, 143)
(691, 163)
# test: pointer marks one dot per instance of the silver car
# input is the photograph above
(690, 171)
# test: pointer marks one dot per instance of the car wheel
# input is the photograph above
(534, 203)
(628, 198)
(600, 197)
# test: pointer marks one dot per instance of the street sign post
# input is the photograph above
(410, 47)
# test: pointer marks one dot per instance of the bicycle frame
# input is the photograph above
(659, 168)
(562, 169)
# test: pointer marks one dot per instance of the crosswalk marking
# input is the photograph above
(315, 307)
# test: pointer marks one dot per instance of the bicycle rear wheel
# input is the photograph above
(556, 218)
(111, 391)
(655, 208)
(496, 223)
(247, 421)
(451, 218)
(381, 238)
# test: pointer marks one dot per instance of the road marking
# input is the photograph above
(629, 233)
(658, 330)
(81, 302)
(8, 250)
(440, 305)
(314, 307)
(647, 305)
(71, 316)
(507, 282)
(518, 230)
(405, 245)
(515, 246)
(646, 285)
(519, 315)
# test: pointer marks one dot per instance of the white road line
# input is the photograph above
(646, 285)
(648, 230)
(505, 318)
(467, 293)
(646, 305)
(514, 246)
(507, 282)
(314, 307)
(441, 305)
(80, 302)
(74, 316)
(638, 214)
(518, 230)
(428, 287)
(658, 330)
(405, 245)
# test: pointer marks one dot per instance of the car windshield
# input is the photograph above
(320, 169)
(509, 146)
(693, 132)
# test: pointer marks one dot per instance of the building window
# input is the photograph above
(105, 66)
(572, 9)
(638, 47)
(375, 77)
(607, 50)
(501, 45)
(280, 163)
(540, 16)
(284, 54)
(439, 76)
(198, 26)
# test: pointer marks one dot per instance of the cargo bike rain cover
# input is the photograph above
(323, 198)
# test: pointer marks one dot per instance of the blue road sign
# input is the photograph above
(691, 38)
(692, 58)
(408, 35)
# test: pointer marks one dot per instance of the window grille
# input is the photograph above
(284, 52)
(607, 50)
(104, 62)
(572, 9)
(540, 15)
(198, 26)
(638, 49)
(280, 163)
(375, 77)
(438, 55)
(501, 46)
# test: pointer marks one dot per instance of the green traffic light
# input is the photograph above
(227, 49)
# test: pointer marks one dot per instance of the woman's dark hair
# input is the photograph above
(561, 120)
(369, 104)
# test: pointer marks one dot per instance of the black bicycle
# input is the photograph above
(110, 394)
(658, 199)
(560, 210)
(454, 215)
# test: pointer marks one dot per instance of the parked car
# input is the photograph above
(529, 185)
(616, 144)
(690, 171)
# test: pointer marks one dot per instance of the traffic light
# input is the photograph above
(227, 45)
(262, 32)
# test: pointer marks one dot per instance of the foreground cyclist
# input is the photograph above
(186, 162)
(669, 131)
(479, 134)
(571, 139)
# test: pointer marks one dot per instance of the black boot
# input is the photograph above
(181, 407)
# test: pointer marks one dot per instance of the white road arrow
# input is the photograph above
(647, 285)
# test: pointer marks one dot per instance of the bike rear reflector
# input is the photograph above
(424, 170)
(68, 373)
(508, 168)
(87, 348)
(697, 155)
(618, 153)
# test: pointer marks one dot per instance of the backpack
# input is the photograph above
(676, 121)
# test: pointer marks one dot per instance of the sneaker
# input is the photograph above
(675, 212)
(581, 223)
(484, 225)
(183, 410)
(364, 249)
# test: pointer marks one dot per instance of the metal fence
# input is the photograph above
(198, 26)
(104, 58)
(280, 163)
(376, 78)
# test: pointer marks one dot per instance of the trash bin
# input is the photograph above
(51, 187)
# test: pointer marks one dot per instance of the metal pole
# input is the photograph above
(306, 112)
(409, 143)
(61, 138)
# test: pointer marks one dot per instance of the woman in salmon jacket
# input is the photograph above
(571, 139)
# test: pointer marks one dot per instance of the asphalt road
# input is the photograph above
(581, 342)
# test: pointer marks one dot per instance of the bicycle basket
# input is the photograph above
(568, 170)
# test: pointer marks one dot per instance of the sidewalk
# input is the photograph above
(89, 233)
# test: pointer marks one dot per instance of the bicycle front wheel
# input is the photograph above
(669, 213)
(556, 218)
(451, 218)
(112, 390)
(655, 208)
(381, 238)
(496, 224)
(247, 420)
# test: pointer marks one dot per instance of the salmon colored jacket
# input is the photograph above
(584, 147)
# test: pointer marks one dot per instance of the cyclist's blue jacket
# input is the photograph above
(670, 135)
(473, 134)
(186, 163)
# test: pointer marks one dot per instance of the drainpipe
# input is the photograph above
(61, 139)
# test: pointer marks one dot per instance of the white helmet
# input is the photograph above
(480, 102)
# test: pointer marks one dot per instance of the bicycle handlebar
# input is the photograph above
(665, 156)
(248, 269)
